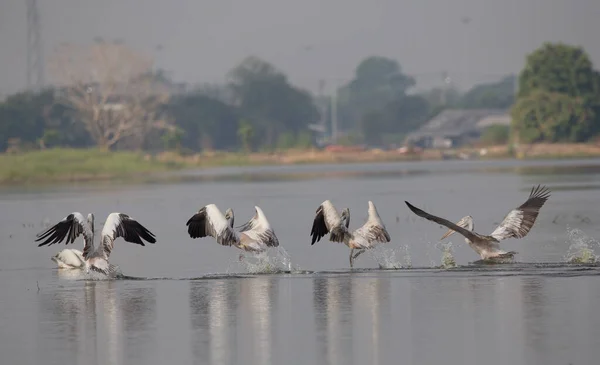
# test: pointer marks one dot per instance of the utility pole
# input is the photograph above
(323, 109)
(443, 91)
(334, 121)
(35, 57)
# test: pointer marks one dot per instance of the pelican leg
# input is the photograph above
(354, 256)
(358, 253)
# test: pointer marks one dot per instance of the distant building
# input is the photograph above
(456, 127)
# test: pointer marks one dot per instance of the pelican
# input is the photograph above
(517, 224)
(92, 258)
(329, 221)
(254, 236)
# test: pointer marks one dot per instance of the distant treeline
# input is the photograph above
(259, 109)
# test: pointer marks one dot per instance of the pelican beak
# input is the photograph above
(447, 234)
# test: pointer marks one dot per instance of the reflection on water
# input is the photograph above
(213, 308)
(332, 300)
(138, 318)
(259, 300)
(91, 325)
(530, 312)
(361, 318)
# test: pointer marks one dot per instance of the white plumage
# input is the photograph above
(255, 236)
(94, 258)
(517, 224)
(328, 220)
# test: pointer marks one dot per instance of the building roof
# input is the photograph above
(456, 122)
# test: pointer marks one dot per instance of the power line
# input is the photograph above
(35, 57)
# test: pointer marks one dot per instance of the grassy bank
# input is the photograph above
(60, 165)
(80, 165)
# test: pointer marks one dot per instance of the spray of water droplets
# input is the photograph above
(80, 274)
(387, 258)
(447, 260)
(581, 248)
(272, 261)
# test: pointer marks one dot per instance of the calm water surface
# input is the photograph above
(192, 302)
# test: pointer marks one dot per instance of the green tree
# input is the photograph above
(559, 96)
(495, 134)
(35, 117)
(495, 95)
(406, 114)
(245, 133)
(377, 82)
(208, 123)
(559, 68)
(442, 98)
(264, 96)
(552, 117)
(172, 139)
(373, 126)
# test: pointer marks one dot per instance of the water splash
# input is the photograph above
(274, 260)
(385, 257)
(406, 257)
(581, 249)
(80, 274)
(448, 260)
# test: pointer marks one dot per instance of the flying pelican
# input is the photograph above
(329, 221)
(254, 236)
(516, 224)
(93, 258)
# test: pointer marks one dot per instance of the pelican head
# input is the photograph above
(465, 222)
(229, 216)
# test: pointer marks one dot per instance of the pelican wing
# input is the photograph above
(328, 220)
(121, 225)
(374, 231)
(70, 227)
(468, 234)
(518, 222)
(259, 230)
(209, 221)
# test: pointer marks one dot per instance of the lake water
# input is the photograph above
(192, 302)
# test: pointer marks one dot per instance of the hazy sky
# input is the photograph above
(203, 39)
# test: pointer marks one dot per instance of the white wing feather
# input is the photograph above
(518, 222)
(373, 231)
(259, 230)
(121, 225)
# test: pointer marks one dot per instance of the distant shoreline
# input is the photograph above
(59, 165)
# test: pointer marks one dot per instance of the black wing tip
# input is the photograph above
(196, 224)
(410, 206)
(539, 194)
(540, 191)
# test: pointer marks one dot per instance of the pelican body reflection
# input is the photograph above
(326, 318)
(96, 323)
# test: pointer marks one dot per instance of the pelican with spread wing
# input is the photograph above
(92, 258)
(254, 236)
(328, 220)
(517, 224)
